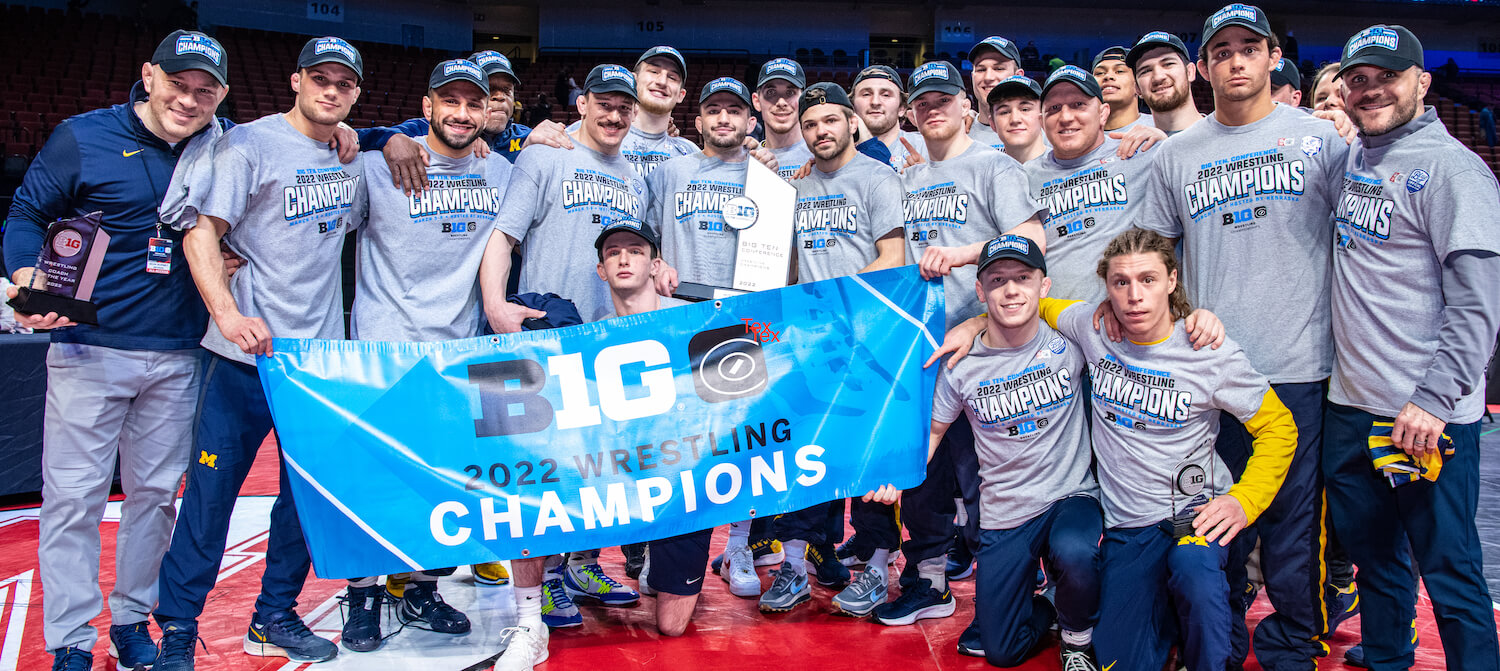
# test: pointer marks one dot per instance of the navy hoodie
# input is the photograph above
(106, 160)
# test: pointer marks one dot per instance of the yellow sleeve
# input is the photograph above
(1275, 435)
(1052, 308)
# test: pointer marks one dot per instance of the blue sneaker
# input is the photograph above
(861, 597)
(287, 637)
(132, 647)
(177, 646)
(825, 566)
(1355, 657)
(788, 590)
(558, 610)
(960, 560)
(1342, 605)
(588, 581)
(919, 602)
(968, 642)
(72, 659)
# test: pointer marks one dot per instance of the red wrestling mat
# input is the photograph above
(726, 631)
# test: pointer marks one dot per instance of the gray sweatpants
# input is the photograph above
(104, 403)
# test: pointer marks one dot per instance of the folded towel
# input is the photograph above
(1399, 467)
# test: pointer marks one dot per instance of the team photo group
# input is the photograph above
(1186, 358)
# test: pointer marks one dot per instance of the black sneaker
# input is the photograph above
(822, 560)
(960, 560)
(177, 646)
(288, 637)
(921, 601)
(1355, 657)
(423, 606)
(362, 622)
(635, 559)
(968, 642)
(1079, 657)
(72, 659)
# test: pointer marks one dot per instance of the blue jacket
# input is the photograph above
(106, 160)
(507, 143)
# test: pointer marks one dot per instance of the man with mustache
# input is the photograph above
(603, 187)
(1164, 75)
(418, 280)
(1416, 278)
(1248, 190)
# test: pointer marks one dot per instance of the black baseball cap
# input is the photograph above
(1005, 47)
(1246, 16)
(610, 78)
(639, 228)
(725, 85)
(320, 50)
(1014, 86)
(494, 63)
(936, 76)
(1389, 47)
(666, 52)
(1110, 54)
(822, 93)
(1152, 40)
(190, 50)
(1016, 247)
(782, 68)
(885, 72)
(1285, 74)
(458, 70)
(1072, 74)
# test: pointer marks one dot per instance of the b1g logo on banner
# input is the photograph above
(633, 429)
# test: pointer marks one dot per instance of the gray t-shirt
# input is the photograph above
(1156, 417)
(1253, 206)
(666, 302)
(985, 134)
(972, 197)
(790, 159)
(1026, 407)
(417, 276)
(899, 152)
(646, 151)
(288, 202)
(1089, 200)
(1144, 119)
(686, 208)
(557, 202)
(1411, 198)
(841, 214)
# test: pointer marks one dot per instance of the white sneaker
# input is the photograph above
(527, 647)
(741, 576)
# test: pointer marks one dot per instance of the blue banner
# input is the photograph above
(427, 455)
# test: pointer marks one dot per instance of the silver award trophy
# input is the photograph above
(1192, 488)
(762, 220)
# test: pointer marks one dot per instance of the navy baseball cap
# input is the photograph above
(1013, 247)
(458, 70)
(936, 76)
(885, 72)
(1285, 74)
(1152, 40)
(1110, 54)
(494, 63)
(189, 50)
(1006, 48)
(782, 68)
(320, 50)
(1015, 86)
(610, 78)
(822, 93)
(1389, 47)
(725, 85)
(1072, 74)
(1246, 16)
(665, 52)
(639, 228)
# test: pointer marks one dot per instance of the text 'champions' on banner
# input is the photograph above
(426, 455)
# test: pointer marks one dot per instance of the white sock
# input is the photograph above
(879, 560)
(795, 552)
(934, 571)
(529, 607)
(739, 535)
(1079, 638)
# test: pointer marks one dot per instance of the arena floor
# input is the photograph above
(726, 631)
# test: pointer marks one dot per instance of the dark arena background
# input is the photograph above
(62, 58)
